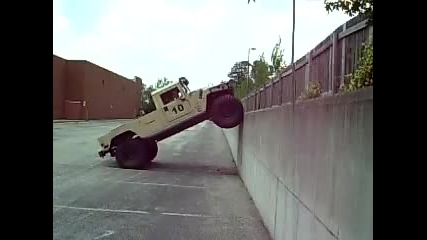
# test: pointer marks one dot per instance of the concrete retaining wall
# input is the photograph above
(310, 173)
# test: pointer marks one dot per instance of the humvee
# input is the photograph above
(134, 144)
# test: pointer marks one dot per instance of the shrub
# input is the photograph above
(363, 76)
(314, 90)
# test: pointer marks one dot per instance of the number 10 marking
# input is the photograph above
(180, 108)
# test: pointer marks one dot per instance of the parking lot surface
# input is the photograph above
(192, 190)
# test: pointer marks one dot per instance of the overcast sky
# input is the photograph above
(198, 39)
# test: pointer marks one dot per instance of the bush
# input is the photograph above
(314, 90)
(363, 76)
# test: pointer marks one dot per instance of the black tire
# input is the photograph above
(120, 139)
(226, 111)
(113, 152)
(132, 154)
(153, 149)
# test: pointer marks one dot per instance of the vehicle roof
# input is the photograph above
(164, 89)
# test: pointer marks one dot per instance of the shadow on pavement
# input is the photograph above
(182, 167)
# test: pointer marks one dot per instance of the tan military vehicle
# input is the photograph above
(134, 144)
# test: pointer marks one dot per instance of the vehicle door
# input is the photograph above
(175, 105)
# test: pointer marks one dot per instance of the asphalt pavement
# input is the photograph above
(192, 190)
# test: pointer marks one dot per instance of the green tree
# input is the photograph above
(239, 72)
(278, 64)
(238, 75)
(162, 82)
(243, 88)
(260, 72)
(352, 7)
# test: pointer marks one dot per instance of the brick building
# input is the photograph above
(83, 90)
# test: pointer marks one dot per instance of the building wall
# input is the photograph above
(75, 79)
(109, 95)
(74, 90)
(59, 81)
(106, 95)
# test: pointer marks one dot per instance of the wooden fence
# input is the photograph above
(328, 63)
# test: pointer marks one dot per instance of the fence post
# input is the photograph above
(281, 89)
(308, 69)
(343, 53)
(272, 93)
(256, 100)
(333, 75)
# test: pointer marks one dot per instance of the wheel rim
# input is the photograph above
(227, 110)
(129, 155)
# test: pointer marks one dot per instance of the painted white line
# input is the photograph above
(185, 215)
(164, 184)
(131, 211)
(106, 234)
(132, 176)
(55, 209)
(102, 210)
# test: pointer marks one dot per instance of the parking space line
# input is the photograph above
(163, 184)
(185, 215)
(131, 211)
(102, 209)
(106, 234)
(132, 176)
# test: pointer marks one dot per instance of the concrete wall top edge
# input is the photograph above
(361, 95)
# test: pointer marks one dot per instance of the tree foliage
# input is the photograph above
(278, 64)
(238, 75)
(162, 82)
(314, 90)
(261, 71)
(243, 88)
(364, 73)
(352, 7)
(239, 72)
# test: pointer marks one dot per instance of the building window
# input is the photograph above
(103, 82)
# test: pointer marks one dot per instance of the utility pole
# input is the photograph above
(294, 90)
(247, 78)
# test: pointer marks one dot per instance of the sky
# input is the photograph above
(197, 39)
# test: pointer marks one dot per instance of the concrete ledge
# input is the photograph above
(310, 172)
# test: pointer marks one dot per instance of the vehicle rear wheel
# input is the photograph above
(133, 154)
(226, 111)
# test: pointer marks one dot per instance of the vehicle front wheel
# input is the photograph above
(133, 154)
(152, 149)
(226, 111)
